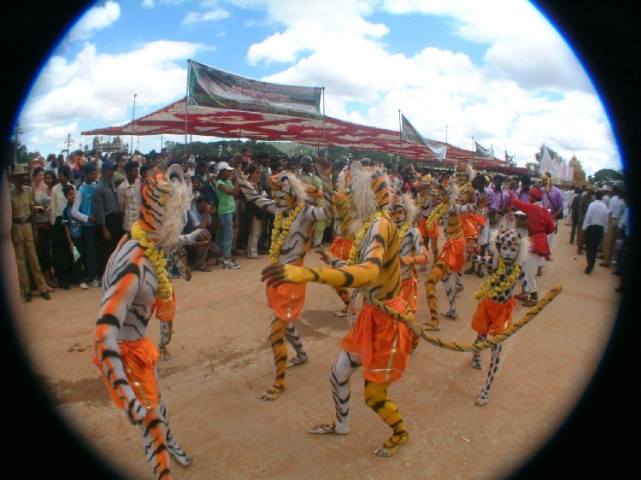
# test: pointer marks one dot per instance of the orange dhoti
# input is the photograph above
(470, 223)
(425, 232)
(410, 293)
(453, 254)
(383, 343)
(139, 358)
(286, 300)
(341, 247)
(492, 317)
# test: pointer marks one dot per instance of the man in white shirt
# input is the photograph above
(615, 210)
(594, 223)
(129, 195)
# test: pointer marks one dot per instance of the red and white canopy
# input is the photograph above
(182, 119)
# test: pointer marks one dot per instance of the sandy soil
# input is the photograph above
(222, 363)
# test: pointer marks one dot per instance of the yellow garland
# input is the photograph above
(358, 239)
(436, 215)
(280, 231)
(157, 258)
(403, 229)
(487, 291)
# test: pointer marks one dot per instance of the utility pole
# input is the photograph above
(69, 142)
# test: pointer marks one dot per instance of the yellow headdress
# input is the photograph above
(548, 179)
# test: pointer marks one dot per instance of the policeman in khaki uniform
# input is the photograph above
(22, 207)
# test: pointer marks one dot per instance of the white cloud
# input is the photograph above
(96, 18)
(101, 86)
(213, 15)
(528, 90)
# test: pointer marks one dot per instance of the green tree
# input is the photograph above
(18, 153)
(607, 176)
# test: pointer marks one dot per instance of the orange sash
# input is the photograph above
(165, 311)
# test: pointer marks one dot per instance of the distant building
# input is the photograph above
(113, 145)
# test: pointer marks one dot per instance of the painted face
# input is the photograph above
(508, 252)
(461, 178)
(397, 214)
(283, 200)
(508, 244)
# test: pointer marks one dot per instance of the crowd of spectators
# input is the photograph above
(80, 207)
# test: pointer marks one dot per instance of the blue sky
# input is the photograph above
(494, 70)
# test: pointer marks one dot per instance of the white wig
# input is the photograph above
(411, 210)
(178, 203)
(292, 185)
(364, 197)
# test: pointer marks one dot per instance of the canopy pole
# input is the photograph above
(324, 136)
(186, 122)
(187, 98)
(400, 130)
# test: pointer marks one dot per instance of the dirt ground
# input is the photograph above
(222, 363)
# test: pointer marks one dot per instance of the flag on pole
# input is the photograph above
(509, 158)
(210, 87)
(482, 151)
(410, 134)
(547, 164)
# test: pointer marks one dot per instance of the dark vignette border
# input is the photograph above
(600, 437)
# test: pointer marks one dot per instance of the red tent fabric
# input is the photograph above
(180, 119)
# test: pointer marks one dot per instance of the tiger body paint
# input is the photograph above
(376, 341)
(426, 204)
(493, 314)
(452, 256)
(413, 253)
(124, 353)
(342, 243)
(286, 301)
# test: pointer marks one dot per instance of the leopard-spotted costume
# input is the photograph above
(376, 341)
(291, 240)
(125, 355)
(493, 315)
(452, 256)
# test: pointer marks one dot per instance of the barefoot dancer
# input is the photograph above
(135, 275)
(376, 341)
(413, 253)
(493, 314)
(452, 256)
(291, 240)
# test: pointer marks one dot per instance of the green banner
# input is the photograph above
(210, 87)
